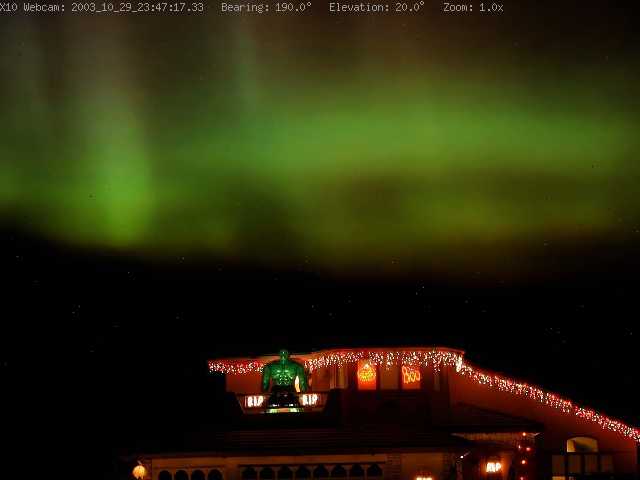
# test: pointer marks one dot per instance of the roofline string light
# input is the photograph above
(547, 398)
(434, 357)
(437, 358)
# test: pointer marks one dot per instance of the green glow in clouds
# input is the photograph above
(243, 146)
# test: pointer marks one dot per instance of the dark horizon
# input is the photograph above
(86, 331)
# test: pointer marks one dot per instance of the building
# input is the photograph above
(399, 413)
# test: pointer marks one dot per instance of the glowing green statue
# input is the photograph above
(282, 373)
(281, 376)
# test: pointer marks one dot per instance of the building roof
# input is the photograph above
(432, 355)
(469, 418)
(312, 441)
(436, 357)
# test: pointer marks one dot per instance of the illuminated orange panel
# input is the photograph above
(411, 377)
(367, 375)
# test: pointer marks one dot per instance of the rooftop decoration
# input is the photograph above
(436, 358)
(281, 377)
(367, 375)
(282, 373)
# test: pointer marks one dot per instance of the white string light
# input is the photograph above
(436, 358)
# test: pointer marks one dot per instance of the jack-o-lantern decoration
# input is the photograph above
(366, 375)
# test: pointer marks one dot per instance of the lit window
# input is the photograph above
(582, 458)
(582, 445)
(494, 466)
(367, 375)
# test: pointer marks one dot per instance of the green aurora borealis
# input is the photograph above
(338, 141)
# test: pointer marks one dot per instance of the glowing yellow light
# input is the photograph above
(524, 461)
(494, 467)
(423, 477)
(139, 472)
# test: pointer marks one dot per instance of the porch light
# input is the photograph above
(139, 471)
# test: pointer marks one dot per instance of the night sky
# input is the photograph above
(179, 188)
(103, 351)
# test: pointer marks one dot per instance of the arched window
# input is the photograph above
(320, 472)
(197, 475)
(164, 475)
(303, 472)
(181, 475)
(249, 474)
(267, 473)
(374, 471)
(338, 472)
(582, 445)
(215, 475)
(581, 458)
(356, 471)
(285, 473)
